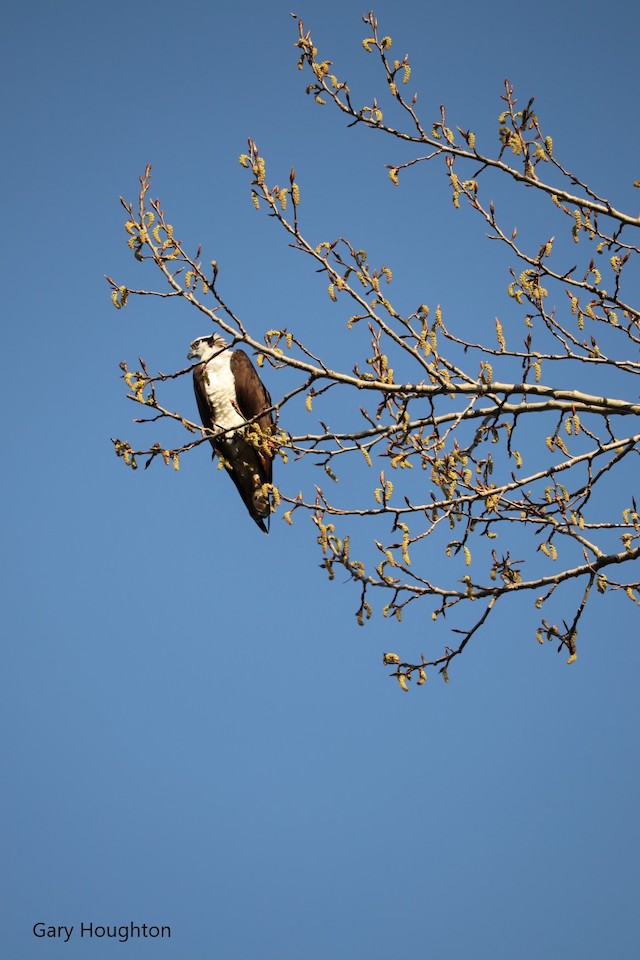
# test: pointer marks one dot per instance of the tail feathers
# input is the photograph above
(247, 471)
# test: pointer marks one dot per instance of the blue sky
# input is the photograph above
(196, 731)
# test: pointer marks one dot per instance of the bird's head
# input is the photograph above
(203, 348)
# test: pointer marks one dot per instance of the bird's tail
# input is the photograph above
(246, 469)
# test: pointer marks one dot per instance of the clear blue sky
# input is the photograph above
(196, 732)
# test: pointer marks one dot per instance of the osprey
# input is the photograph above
(229, 392)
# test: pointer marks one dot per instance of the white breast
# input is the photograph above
(220, 388)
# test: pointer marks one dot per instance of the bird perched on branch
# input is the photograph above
(229, 393)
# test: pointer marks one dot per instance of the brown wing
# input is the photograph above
(207, 415)
(253, 398)
(252, 395)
